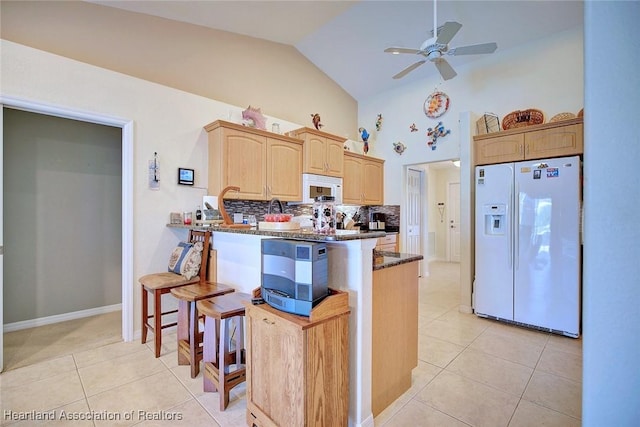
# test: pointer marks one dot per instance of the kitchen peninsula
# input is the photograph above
(351, 269)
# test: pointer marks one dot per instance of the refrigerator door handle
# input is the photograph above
(516, 226)
(510, 219)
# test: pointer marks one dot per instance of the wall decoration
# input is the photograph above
(315, 119)
(379, 122)
(365, 138)
(441, 211)
(252, 117)
(436, 104)
(413, 128)
(154, 173)
(399, 147)
(435, 133)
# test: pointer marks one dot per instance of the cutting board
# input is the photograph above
(279, 226)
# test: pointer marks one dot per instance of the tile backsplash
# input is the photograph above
(257, 208)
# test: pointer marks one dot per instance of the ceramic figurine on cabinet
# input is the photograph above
(315, 119)
(365, 138)
(253, 117)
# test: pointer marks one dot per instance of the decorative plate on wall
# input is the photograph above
(436, 104)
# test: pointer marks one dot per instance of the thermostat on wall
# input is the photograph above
(185, 176)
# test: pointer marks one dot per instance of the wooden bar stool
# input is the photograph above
(220, 314)
(158, 284)
(189, 335)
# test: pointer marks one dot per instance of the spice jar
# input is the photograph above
(324, 215)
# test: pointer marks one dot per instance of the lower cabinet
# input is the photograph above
(297, 368)
(388, 243)
(395, 333)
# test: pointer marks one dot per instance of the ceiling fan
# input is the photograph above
(436, 47)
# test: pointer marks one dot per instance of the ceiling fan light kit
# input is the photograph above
(435, 48)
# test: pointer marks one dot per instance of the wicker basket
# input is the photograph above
(562, 116)
(522, 118)
(488, 123)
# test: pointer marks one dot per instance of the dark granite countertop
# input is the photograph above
(383, 259)
(302, 234)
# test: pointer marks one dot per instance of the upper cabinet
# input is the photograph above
(264, 165)
(323, 152)
(363, 182)
(556, 139)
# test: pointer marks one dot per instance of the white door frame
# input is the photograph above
(423, 268)
(449, 218)
(127, 198)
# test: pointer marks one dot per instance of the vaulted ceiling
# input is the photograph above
(346, 39)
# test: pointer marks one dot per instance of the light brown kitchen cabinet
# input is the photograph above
(322, 152)
(297, 366)
(388, 243)
(363, 182)
(558, 139)
(395, 333)
(264, 165)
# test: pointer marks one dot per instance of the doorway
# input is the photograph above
(62, 222)
(453, 221)
(126, 234)
(439, 204)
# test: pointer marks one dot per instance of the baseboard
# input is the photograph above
(367, 422)
(57, 318)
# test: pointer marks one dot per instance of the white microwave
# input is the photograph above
(320, 185)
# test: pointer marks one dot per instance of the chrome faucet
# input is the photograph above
(279, 205)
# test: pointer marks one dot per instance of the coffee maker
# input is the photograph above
(377, 221)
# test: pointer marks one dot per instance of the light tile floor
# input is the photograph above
(471, 371)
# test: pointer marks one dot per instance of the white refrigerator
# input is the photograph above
(527, 246)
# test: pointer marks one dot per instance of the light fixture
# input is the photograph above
(456, 163)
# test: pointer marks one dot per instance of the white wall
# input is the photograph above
(220, 65)
(546, 74)
(611, 287)
(63, 216)
(439, 180)
(167, 121)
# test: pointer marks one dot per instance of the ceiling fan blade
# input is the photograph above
(397, 50)
(446, 71)
(448, 31)
(473, 49)
(407, 70)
